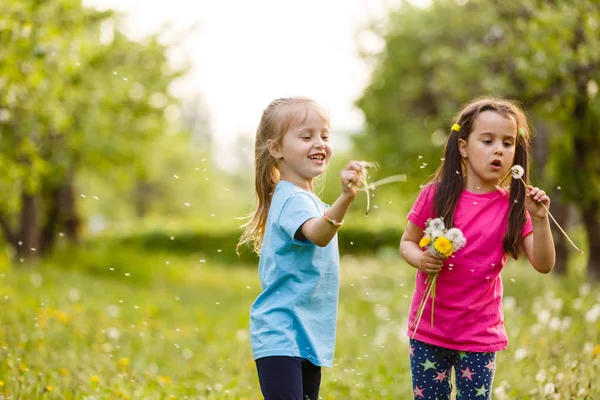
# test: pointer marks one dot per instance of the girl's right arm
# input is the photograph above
(320, 231)
(412, 253)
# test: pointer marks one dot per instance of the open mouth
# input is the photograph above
(497, 163)
(317, 157)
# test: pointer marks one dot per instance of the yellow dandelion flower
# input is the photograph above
(424, 242)
(171, 397)
(164, 380)
(1, 384)
(48, 388)
(95, 379)
(123, 362)
(596, 350)
(22, 367)
(443, 246)
(63, 372)
(62, 316)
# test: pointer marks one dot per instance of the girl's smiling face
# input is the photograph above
(489, 151)
(305, 150)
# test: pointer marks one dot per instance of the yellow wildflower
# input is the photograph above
(48, 389)
(123, 362)
(443, 246)
(597, 350)
(164, 380)
(63, 372)
(424, 242)
(95, 379)
(1, 384)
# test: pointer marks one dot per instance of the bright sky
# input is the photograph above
(246, 53)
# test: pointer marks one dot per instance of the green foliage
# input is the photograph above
(75, 94)
(186, 333)
(544, 54)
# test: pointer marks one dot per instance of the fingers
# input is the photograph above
(538, 195)
(350, 178)
(351, 174)
(430, 264)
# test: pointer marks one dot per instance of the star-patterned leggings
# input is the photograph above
(431, 377)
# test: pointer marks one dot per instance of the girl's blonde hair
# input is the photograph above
(279, 117)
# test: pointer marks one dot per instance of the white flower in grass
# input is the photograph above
(517, 171)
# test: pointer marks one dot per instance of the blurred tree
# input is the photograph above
(75, 94)
(540, 52)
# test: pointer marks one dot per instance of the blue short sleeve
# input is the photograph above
(298, 209)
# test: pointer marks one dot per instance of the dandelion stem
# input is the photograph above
(433, 296)
(426, 294)
(557, 224)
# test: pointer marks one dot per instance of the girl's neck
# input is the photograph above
(476, 186)
(301, 183)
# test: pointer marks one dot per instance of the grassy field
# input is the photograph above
(155, 326)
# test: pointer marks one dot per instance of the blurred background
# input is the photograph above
(126, 138)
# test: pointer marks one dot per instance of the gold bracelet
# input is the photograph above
(332, 221)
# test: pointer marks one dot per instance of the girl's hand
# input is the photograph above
(535, 200)
(350, 176)
(430, 264)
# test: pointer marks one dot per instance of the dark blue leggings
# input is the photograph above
(431, 372)
(288, 378)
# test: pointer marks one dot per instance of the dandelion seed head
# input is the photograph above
(517, 171)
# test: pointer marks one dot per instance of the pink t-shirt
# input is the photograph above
(468, 313)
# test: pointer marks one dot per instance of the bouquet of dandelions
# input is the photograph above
(440, 243)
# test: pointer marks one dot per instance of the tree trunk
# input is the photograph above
(67, 208)
(561, 213)
(592, 226)
(560, 210)
(28, 241)
(51, 222)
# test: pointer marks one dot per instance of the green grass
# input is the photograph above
(180, 329)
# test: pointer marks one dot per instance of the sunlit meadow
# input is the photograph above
(169, 326)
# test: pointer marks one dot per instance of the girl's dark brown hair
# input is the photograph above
(449, 177)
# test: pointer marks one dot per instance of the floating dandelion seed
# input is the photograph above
(517, 173)
(175, 176)
(367, 187)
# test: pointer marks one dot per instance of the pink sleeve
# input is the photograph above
(528, 227)
(422, 209)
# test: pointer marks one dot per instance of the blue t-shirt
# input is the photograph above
(295, 315)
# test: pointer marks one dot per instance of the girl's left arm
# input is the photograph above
(539, 245)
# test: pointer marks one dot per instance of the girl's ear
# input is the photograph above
(462, 148)
(274, 148)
